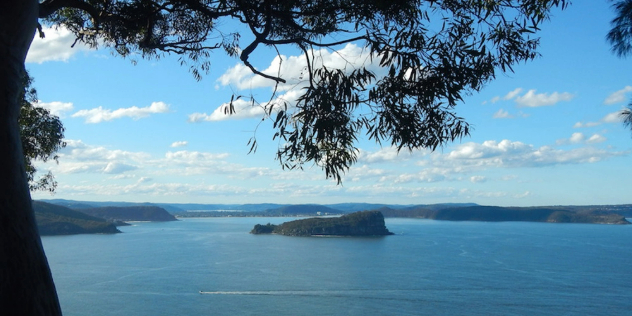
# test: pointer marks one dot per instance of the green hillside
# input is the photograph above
(130, 213)
(58, 220)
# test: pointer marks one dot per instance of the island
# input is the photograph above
(364, 223)
(58, 220)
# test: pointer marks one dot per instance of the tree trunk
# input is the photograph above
(26, 284)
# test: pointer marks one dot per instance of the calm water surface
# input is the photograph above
(427, 268)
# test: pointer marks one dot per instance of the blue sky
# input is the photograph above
(547, 134)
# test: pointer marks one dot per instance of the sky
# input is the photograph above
(147, 131)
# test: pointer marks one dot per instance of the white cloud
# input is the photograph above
(577, 138)
(246, 109)
(144, 180)
(387, 154)
(98, 115)
(56, 107)
(478, 179)
(613, 117)
(179, 144)
(574, 139)
(117, 168)
(508, 154)
(79, 151)
(523, 195)
(618, 96)
(580, 138)
(293, 68)
(55, 46)
(79, 157)
(500, 114)
(531, 99)
(587, 124)
(488, 149)
(595, 139)
(512, 94)
(191, 156)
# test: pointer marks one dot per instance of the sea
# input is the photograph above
(213, 266)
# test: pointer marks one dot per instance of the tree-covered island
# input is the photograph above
(366, 223)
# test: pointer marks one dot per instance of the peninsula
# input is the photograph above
(58, 220)
(366, 223)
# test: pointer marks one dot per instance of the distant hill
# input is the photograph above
(366, 223)
(499, 214)
(303, 210)
(130, 213)
(578, 213)
(59, 220)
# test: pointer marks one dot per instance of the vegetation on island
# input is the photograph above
(58, 220)
(365, 223)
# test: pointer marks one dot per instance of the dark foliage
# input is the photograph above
(620, 37)
(434, 52)
(42, 136)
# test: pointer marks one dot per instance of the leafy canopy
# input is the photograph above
(42, 136)
(620, 37)
(433, 52)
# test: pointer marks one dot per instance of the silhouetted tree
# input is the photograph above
(620, 37)
(42, 135)
(433, 52)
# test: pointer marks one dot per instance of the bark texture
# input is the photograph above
(26, 284)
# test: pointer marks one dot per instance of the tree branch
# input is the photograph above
(49, 7)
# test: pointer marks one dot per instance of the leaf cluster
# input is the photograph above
(433, 53)
(620, 37)
(42, 136)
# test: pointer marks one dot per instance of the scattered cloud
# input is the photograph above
(244, 109)
(98, 115)
(512, 94)
(179, 144)
(294, 68)
(587, 124)
(577, 138)
(580, 138)
(56, 108)
(478, 179)
(595, 139)
(522, 195)
(117, 168)
(387, 154)
(184, 156)
(501, 114)
(531, 99)
(508, 154)
(613, 117)
(618, 96)
(55, 46)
